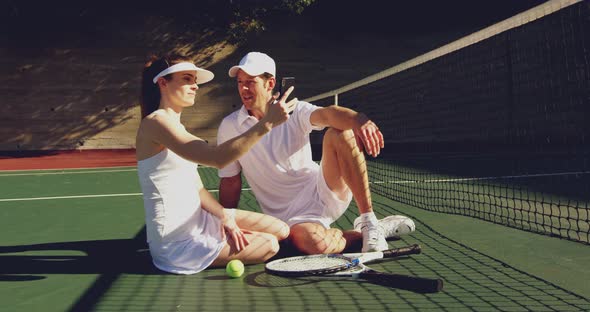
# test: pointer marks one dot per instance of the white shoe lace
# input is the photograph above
(373, 239)
(393, 226)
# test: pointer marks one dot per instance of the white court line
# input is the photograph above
(482, 178)
(373, 182)
(65, 172)
(68, 197)
(72, 171)
(86, 196)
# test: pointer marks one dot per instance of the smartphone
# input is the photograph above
(286, 83)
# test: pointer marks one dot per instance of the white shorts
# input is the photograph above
(317, 203)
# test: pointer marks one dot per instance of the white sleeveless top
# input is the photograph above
(183, 238)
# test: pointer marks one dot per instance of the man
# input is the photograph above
(288, 184)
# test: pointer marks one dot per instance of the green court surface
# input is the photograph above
(73, 241)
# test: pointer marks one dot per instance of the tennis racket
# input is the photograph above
(352, 265)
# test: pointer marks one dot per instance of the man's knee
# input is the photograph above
(335, 135)
(340, 139)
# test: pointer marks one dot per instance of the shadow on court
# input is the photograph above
(106, 258)
(101, 257)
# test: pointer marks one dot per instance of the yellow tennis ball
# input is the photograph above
(234, 268)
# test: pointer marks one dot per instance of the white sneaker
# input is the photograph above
(391, 226)
(373, 239)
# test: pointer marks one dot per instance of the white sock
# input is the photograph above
(369, 217)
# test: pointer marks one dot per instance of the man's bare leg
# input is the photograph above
(345, 168)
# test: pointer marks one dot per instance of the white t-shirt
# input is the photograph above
(280, 165)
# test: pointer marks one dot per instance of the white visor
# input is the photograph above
(203, 75)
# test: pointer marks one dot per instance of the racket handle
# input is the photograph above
(407, 282)
(403, 251)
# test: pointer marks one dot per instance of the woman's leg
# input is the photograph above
(262, 246)
(258, 222)
(313, 238)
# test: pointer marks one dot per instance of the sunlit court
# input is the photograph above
(486, 150)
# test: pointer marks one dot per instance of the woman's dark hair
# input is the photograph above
(150, 92)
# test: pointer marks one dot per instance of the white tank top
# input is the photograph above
(183, 238)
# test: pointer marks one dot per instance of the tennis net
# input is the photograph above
(492, 126)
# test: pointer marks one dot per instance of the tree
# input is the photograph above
(247, 17)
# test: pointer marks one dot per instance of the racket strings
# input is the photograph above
(309, 265)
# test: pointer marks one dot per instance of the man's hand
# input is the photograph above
(278, 112)
(368, 137)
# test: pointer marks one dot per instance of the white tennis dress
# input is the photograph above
(183, 238)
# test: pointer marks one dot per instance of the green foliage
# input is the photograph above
(297, 6)
(239, 18)
(248, 17)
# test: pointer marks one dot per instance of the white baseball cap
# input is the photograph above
(254, 64)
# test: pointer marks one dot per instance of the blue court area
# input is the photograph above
(74, 241)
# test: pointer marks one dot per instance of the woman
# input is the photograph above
(187, 229)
